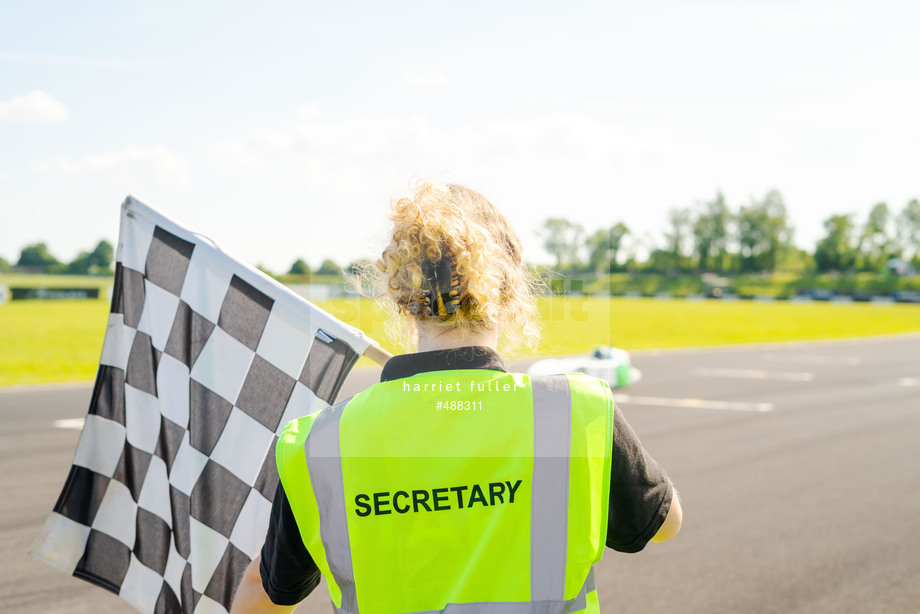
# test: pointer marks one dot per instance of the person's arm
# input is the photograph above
(284, 572)
(251, 597)
(671, 524)
(643, 503)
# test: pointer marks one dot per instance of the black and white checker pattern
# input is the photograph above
(204, 361)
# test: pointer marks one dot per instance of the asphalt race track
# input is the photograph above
(798, 467)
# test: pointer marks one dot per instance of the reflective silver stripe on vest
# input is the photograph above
(324, 461)
(552, 428)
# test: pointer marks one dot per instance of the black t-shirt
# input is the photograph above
(640, 491)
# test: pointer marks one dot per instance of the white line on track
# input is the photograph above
(693, 403)
(814, 359)
(75, 424)
(757, 374)
(909, 381)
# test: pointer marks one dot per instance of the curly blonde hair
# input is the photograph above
(457, 223)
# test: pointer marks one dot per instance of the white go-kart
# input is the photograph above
(611, 364)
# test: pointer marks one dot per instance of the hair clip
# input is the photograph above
(442, 285)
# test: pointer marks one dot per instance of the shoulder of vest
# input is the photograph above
(292, 438)
(294, 434)
(299, 428)
(589, 383)
(592, 390)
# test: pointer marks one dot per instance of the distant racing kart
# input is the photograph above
(604, 362)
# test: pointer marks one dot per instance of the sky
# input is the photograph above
(281, 130)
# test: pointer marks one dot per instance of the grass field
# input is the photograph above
(50, 341)
(54, 341)
(14, 280)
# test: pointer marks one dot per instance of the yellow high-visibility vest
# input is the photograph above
(493, 501)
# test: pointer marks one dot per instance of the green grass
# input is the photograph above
(50, 341)
(578, 324)
(15, 280)
(61, 341)
(647, 323)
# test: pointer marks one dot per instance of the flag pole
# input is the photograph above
(377, 354)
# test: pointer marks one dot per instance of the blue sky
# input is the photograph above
(281, 129)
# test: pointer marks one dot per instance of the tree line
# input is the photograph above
(37, 258)
(753, 238)
(708, 236)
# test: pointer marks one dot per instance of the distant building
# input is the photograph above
(900, 267)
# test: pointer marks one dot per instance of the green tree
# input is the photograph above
(96, 262)
(710, 233)
(328, 267)
(764, 233)
(300, 267)
(81, 265)
(38, 257)
(103, 255)
(797, 260)
(604, 246)
(678, 236)
(4, 265)
(836, 250)
(877, 242)
(661, 261)
(909, 228)
(562, 239)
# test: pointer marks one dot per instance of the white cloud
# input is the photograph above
(232, 154)
(132, 166)
(334, 152)
(424, 78)
(365, 136)
(586, 164)
(548, 135)
(72, 61)
(311, 112)
(252, 152)
(35, 106)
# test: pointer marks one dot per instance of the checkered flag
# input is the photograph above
(205, 360)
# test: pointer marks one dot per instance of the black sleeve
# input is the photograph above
(288, 571)
(640, 491)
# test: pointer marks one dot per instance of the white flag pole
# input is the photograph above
(377, 354)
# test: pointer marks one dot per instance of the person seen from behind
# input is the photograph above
(453, 485)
